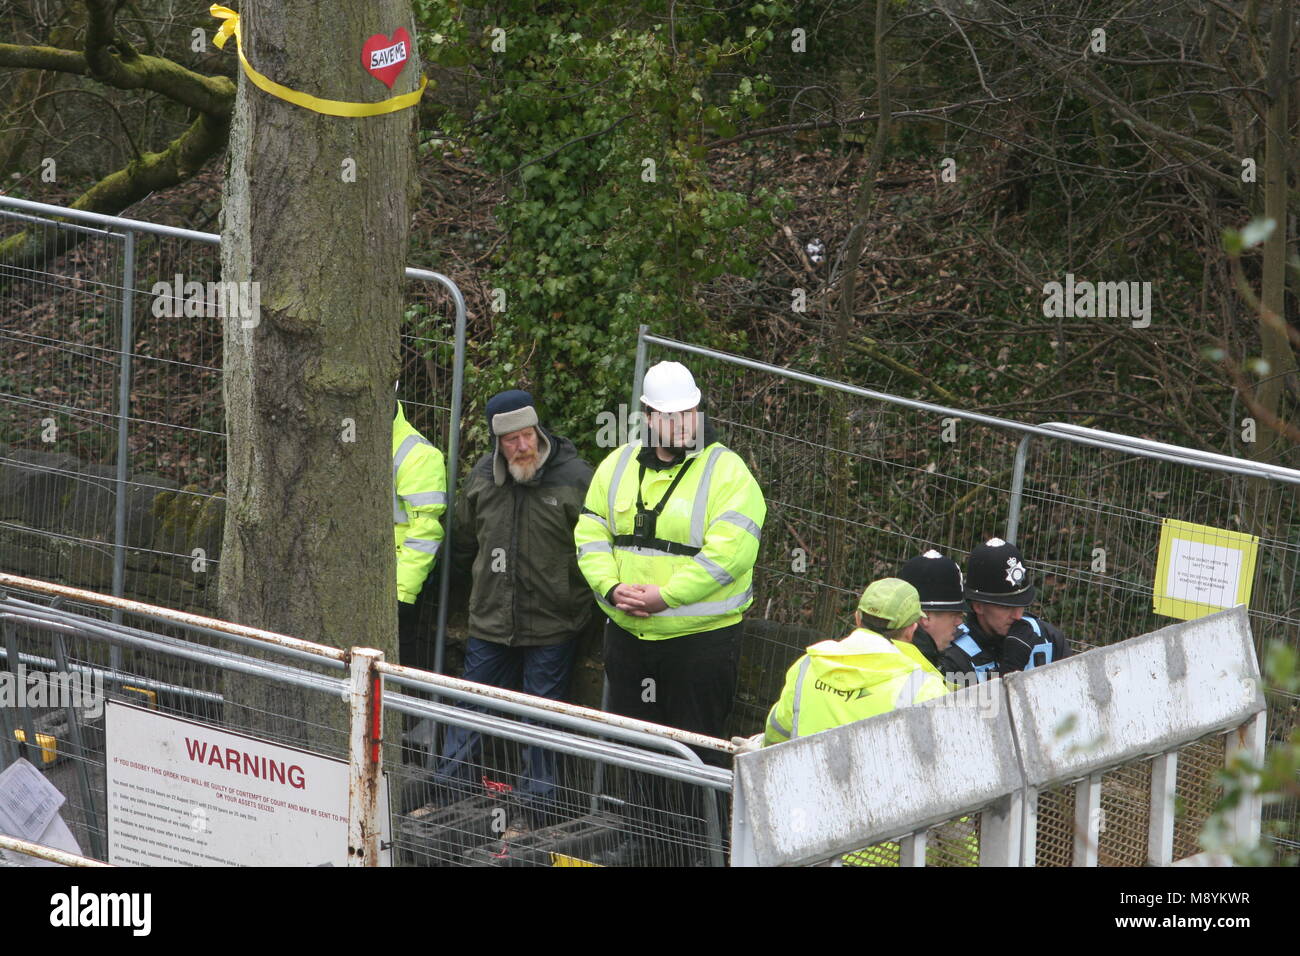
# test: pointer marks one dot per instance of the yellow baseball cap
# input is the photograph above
(892, 600)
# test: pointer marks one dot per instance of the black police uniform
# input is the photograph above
(924, 643)
(1023, 648)
(997, 575)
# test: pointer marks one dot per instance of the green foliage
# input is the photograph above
(1275, 780)
(597, 126)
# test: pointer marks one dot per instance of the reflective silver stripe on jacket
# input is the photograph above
(798, 696)
(716, 571)
(399, 456)
(708, 608)
(736, 518)
(912, 685)
(592, 546)
(421, 544)
(701, 508)
(628, 452)
(422, 499)
(776, 725)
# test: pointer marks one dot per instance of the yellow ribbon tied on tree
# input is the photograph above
(230, 27)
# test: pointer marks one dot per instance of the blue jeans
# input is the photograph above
(545, 673)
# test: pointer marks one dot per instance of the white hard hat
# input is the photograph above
(669, 387)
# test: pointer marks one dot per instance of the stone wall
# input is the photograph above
(57, 524)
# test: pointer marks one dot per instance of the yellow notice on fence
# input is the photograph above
(1202, 569)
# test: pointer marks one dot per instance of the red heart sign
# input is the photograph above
(384, 57)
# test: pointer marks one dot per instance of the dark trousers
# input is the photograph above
(540, 671)
(687, 682)
(414, 635)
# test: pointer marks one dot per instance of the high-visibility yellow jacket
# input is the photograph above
(955, 843)
(708, 535)
(419, 499)
(838, 682)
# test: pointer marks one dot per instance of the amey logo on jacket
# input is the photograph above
(846, 693)
(75, 908)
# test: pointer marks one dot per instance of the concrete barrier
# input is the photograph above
(992, 747)
(877, 779)
(1141, 697)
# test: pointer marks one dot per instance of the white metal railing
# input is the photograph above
(47, 853)
(644, 747)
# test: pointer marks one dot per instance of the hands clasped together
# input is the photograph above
(639, 600)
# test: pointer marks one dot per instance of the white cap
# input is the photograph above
(669, 387)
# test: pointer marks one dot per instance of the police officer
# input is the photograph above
(998, 636)
(419, 499)
(874, 670)
(942, 587)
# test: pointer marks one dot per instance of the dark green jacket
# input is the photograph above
(518, 538)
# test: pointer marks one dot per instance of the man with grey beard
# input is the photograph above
(528, 602)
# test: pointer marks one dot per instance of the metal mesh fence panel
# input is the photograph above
(1126, 816)
(65, 306)
(487, 803)
(1091, 521)
(1055, 834)
(855, 486)
(1197, 791)
(953, 843)
(58, 398)
(71, 743)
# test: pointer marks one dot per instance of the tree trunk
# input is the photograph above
(308, 546)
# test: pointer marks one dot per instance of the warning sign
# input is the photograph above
(1201, 569)
(181, 793)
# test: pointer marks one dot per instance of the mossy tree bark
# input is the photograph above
(308, 547)
(110, 60)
